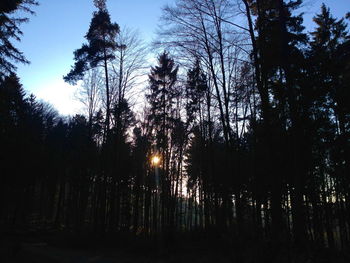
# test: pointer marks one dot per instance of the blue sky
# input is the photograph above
(59, 26)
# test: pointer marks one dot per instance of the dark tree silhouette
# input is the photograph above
(162, 93)
(9, 29)
(99, 50)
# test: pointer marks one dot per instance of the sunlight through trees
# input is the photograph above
(243, 140)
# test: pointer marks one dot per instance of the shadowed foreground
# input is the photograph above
(191, 247)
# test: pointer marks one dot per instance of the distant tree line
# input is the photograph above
(248, 114)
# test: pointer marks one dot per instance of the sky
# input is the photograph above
(59, 26)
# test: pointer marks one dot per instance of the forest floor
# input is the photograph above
(63, 248)
(38, 249)
(44, 253)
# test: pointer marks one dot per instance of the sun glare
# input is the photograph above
(155, 160)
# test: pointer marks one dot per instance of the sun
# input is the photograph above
(155, 160)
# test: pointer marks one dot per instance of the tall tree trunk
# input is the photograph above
(107, 121)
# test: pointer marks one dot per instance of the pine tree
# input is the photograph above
(9, 29)
(196, 87)
(278, 62)
(329, 74)
(162, 92)
(99, 50)
(161, 98)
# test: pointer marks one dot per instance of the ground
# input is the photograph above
(69, 248)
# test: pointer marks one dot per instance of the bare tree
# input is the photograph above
(89, 93)
(129, 65)
(206, 30)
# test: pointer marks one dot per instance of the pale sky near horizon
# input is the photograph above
(59, 26)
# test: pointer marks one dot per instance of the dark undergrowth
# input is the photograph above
(195, 246)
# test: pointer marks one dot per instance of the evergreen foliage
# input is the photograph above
(9, 30)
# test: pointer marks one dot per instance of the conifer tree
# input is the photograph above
(161, 97)
(9, 29)
(98, 51)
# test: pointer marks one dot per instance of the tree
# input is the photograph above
(278, 61)
(162, 93)
(205, 31)
(195, 92)
(9, 29)
(329, 41)
(100, 49)
(89, 94)
(129, 64)
(328, 57)
(162, 87)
